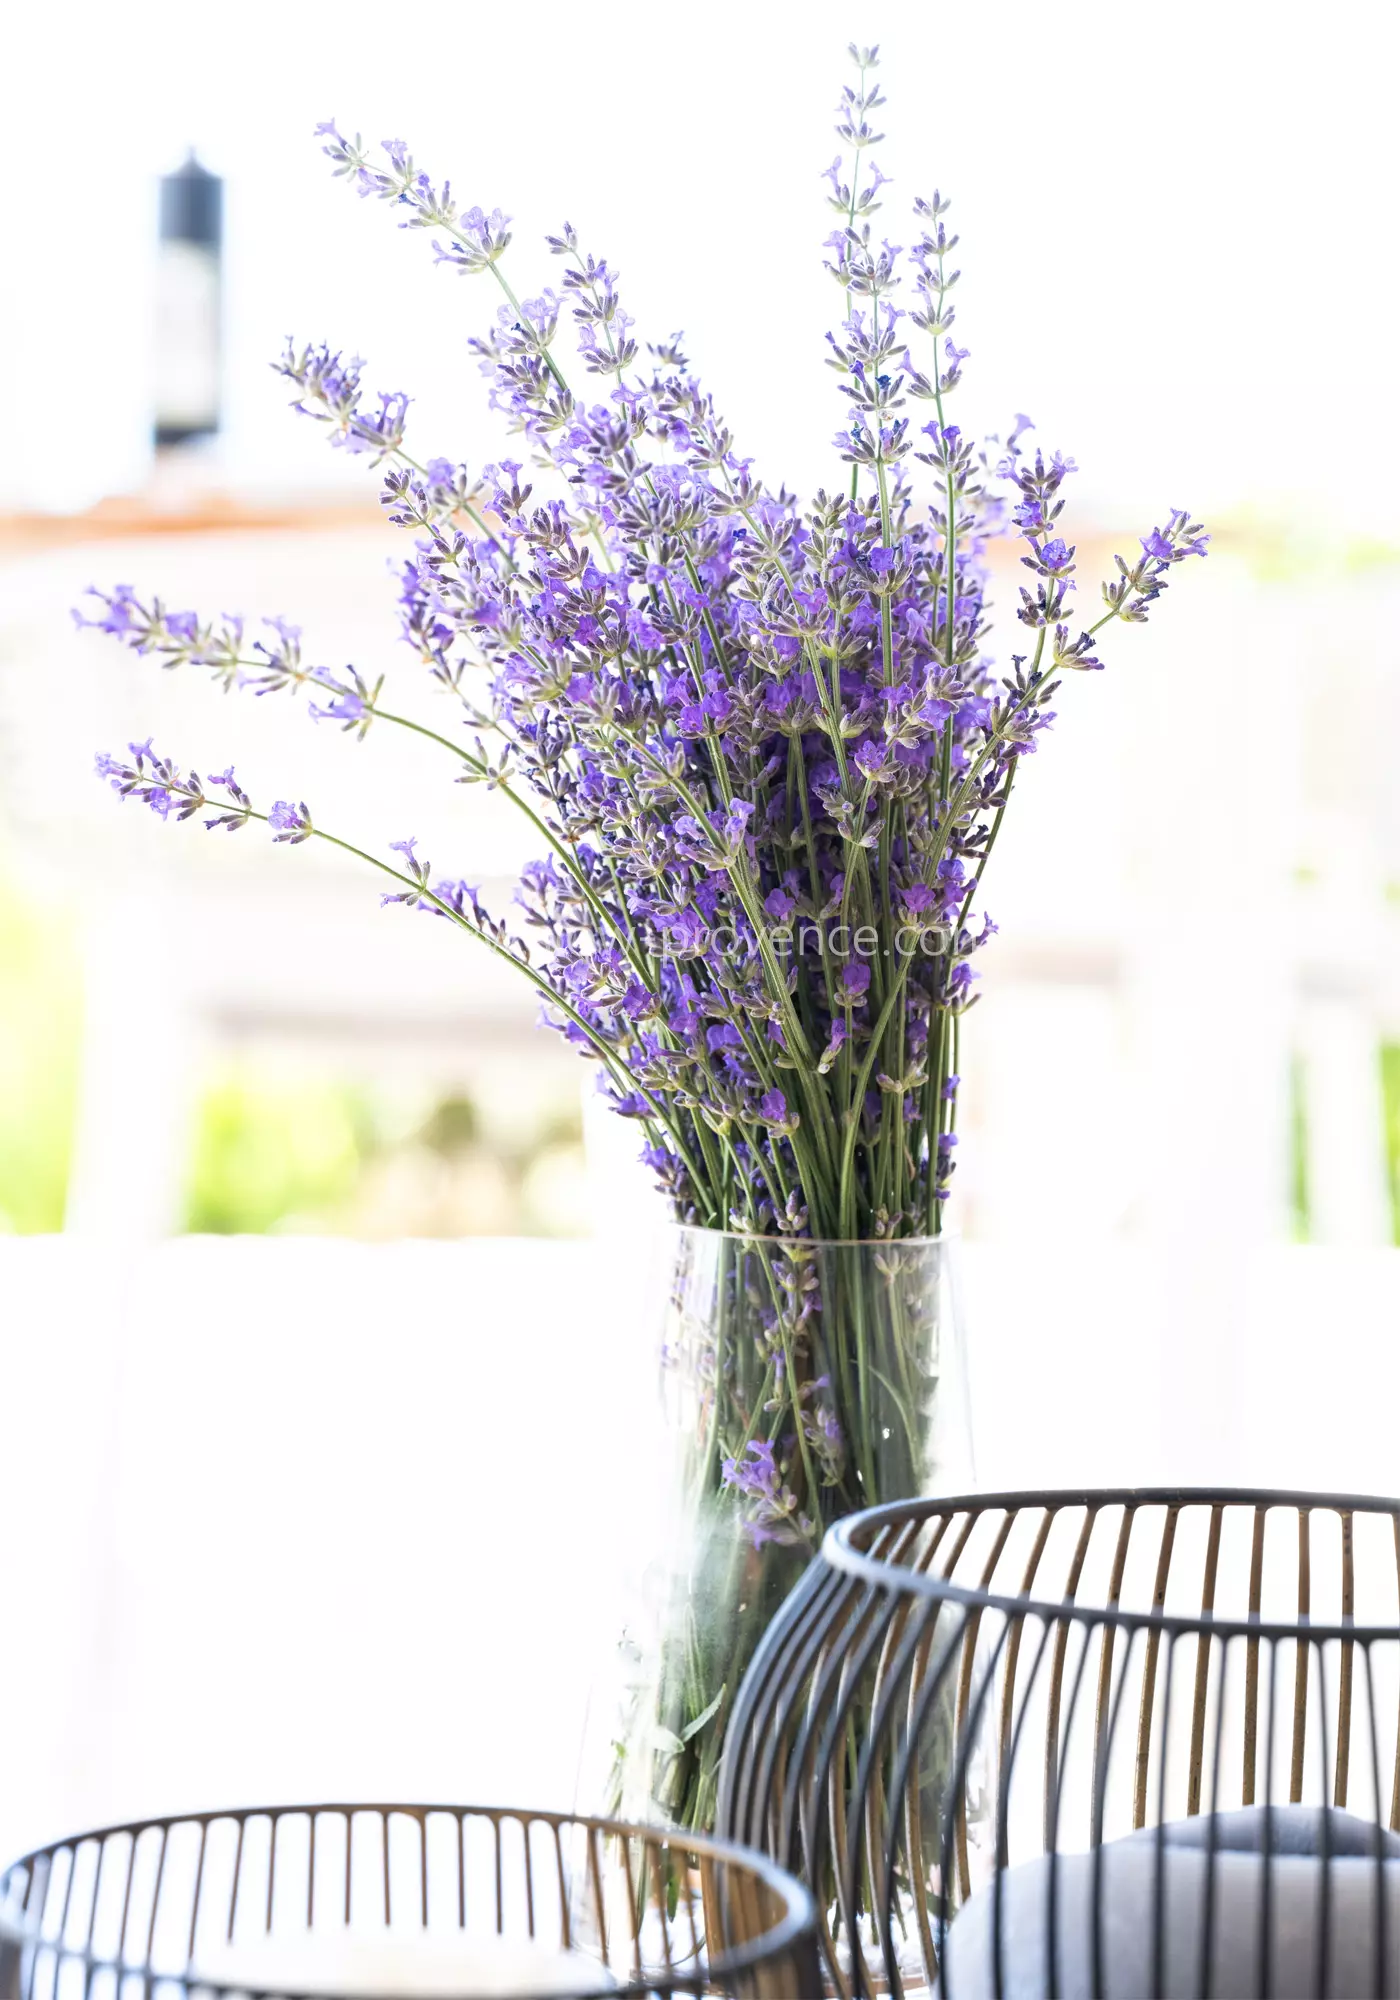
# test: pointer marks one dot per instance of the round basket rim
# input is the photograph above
(838, 1551)
(798, 1922)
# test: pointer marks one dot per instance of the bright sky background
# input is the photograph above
(1177, 222)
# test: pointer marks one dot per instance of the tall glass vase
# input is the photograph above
(800, 1380)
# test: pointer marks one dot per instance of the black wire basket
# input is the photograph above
(1128, 1743)
(456, 1902)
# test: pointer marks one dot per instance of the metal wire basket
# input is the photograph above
(1122, 1742)
(455, 1901)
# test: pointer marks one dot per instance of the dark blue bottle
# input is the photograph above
(188, 306)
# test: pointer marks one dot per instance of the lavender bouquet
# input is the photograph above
(761, 743)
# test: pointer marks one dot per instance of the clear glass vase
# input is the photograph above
(800, 1381)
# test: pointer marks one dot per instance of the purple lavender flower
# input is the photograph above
(290, 822)
(772, 1513)
(330, 393)
(347, 706)
(852, 984)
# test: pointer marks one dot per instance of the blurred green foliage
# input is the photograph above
(1300, 1205)
(1300, 1202)
(40, 1028)
(1278, 548)
(272, 1150)
(1390, 1085)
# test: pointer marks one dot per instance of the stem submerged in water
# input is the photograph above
(834, 1355)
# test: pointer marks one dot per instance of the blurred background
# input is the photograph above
(1180, 1162)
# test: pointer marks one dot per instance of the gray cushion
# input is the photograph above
(1128, 1903)
(1289, 1830)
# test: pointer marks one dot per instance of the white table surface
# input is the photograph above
(288, 1519)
